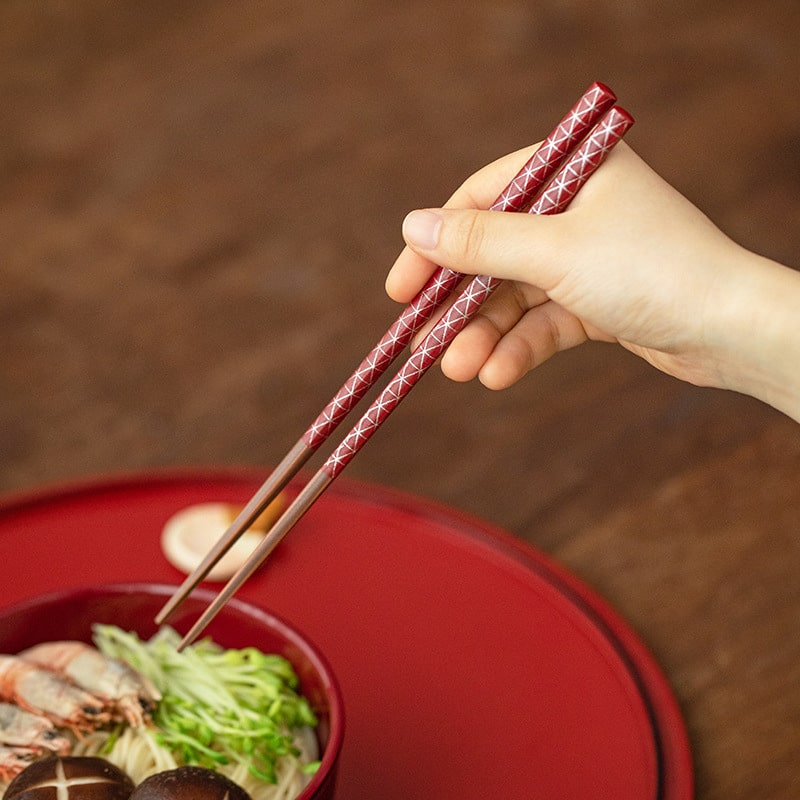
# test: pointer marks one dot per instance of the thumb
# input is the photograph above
(504, 245)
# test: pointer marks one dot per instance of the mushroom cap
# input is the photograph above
(189, 783)
(83, 778)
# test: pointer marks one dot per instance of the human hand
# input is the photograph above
(629, 261)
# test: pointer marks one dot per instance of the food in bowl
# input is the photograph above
(270, 722)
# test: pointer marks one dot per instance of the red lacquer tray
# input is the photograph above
(471, 665)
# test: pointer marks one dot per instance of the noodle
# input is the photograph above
(134, 751)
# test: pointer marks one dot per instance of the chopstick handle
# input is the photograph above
(554, 198)
(571, 130)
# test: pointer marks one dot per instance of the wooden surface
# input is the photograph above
(198, 205)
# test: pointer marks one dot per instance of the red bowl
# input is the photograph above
(70, 614)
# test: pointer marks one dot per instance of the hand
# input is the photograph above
(629, 261)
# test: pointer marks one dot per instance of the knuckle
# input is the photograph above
(473, 238)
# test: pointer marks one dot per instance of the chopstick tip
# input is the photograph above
(162, 616)
(169, 607)
(200, 625)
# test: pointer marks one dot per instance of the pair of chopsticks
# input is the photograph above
(545, 185)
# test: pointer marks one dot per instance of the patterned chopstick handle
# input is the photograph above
(571, 130)
(565, 185)
(555, 197)
(565, 137)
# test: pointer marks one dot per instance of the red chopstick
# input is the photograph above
(528, 182)
(555, 197)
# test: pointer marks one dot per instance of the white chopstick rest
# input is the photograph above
(190, 533)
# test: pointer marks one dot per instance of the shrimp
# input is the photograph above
(20, 728)
(13, 760)
(125, 689)
(41, 691)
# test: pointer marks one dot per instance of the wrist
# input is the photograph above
(761, 350)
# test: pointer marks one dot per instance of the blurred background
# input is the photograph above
(199, 202)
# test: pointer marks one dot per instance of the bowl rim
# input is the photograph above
(280, 624)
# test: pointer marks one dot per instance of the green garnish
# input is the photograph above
(218, 706)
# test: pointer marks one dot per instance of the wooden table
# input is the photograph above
(198, 205)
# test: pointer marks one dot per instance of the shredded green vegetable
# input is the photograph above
(218, 706)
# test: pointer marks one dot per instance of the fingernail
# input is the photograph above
(421, 228)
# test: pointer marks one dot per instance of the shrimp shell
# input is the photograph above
(41, 691)
(14, 759)
(125, 689)
(20, 728)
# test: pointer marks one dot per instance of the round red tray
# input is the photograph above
(471, 665)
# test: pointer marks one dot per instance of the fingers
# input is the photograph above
(474, 346)
(500, 357)
(517, 329)
(540, 334)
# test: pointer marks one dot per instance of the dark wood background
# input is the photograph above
(198, 205)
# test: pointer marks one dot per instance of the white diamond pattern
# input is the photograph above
(381, 356)
(586, 159)
(554, 198)
(522, 189)
(572, 128)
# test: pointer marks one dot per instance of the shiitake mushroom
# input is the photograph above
(72, 777)
(189, 783)
(92, 778)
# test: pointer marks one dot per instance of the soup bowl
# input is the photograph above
(70, 614)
